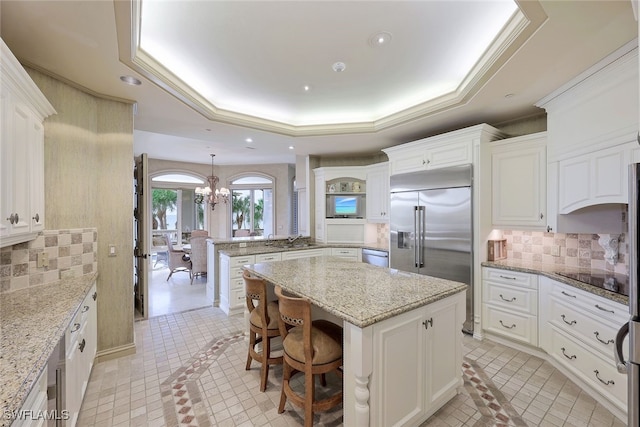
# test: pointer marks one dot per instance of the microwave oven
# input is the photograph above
(345, 206)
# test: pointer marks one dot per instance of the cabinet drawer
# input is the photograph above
(510, 277)
(345, 252)
(594, 332)
(515, 298)
(268, 257)
(516, 326)
(599, 373)
(237, 298)
(597, 306)
(236, 283)
(239, 261)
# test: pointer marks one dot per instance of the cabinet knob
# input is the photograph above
(82, 345)
(36, 218)
(541, 215)
(13, 219)
(549, 229)
(428, 323)
(94, 296)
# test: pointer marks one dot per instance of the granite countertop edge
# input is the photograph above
(15, 387)
(267, 249)
(549, 270)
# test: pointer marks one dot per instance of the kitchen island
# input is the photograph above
(402, 334)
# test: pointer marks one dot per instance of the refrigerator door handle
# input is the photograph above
(421, 227)
(416, 236)
(621, 364)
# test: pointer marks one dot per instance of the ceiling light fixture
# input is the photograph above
(248, 140)
(212, 194)
(339, 67)
(291, 147)
(380, 39)
(306, 88)
(130, 80)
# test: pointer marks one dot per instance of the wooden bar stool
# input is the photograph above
(263, 326)
(311, 348)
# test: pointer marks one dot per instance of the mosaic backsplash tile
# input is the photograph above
(576, 250)
(71, 253)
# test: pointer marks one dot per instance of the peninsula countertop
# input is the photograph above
(286, 247)
(32, 321)
(362, 294)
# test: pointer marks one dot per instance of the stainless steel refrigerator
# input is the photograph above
(431, 226)
(631, 366)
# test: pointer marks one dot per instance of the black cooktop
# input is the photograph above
(617, 283)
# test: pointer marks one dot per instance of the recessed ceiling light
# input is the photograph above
(306, 88)
(509, 95)
(380, 39)
(130, 80)
(248, 140)
(291, 147)
(339, 67)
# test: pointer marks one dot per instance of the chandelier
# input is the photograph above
(212, 195)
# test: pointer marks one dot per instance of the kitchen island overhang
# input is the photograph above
(402, 334)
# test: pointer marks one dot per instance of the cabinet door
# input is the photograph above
(519, 186)
(449, 154)
(594, 178)
(36, 154)
(378, 193)
(410, 161)
(399, 392)
(320, 209)
(443, 350)
(21, 165)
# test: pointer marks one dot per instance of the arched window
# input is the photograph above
(173, 206)
(252, 207)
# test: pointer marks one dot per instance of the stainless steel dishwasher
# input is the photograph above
(375, 257)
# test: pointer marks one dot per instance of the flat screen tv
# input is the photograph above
(345, 206)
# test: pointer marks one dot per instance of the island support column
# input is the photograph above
(358, 366)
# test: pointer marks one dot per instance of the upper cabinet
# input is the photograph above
(592, 126)
(440, 151)
(378, 193)
(519, 182)
(24, 109)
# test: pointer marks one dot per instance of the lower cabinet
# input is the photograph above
(34, 407)
(510, 305)
(232, 295)
(81, 343)
(578, 331)
(417, 359)
(349, 253)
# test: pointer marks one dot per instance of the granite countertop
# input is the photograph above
(362, 294)
(285, 247)
(551, 270)
(32, 321)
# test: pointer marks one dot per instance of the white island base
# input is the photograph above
(400, 371)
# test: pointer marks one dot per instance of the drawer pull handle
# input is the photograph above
(568, 295)
(610, 382)
(597, 334)
(507, 300)
(85, 308)
(75, 328)
(82, 345)
(428, 323)
(507, 277)
(604, 309)
(573, 322)
(573, 356)
(94, 296)
(508, 327)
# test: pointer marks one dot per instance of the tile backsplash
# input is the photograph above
(71, 253)
(576, 250)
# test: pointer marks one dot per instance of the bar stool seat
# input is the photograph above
(263, 326)
(311, 348)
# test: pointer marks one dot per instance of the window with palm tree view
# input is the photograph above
(252, 206)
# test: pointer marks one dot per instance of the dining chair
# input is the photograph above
(177, 259)
(198, 256)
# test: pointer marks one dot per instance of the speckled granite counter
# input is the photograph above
(284, 247)
(31, 323)
(551, 270)
(359, 293)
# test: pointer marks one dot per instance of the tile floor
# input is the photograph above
(189, 370)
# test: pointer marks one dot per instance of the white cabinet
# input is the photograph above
(510, 305)
(448, 149)
(519, 182)
(33, 409)
(349, 253)
(378, 193)
(81, 345)
(417, 359)
(24, 109)
(232, 294)
(593, 178)
(307, 253)
(578, 331)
